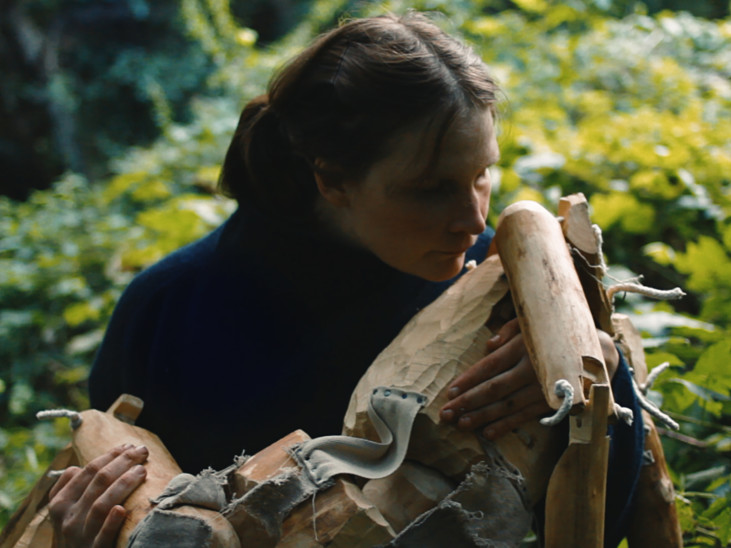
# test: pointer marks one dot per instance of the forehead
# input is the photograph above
(467, 142)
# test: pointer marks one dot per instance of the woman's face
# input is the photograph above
(421, 219)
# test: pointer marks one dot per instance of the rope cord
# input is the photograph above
(73, 416)
(564, 390)
(665, 295)
(625, 414)
(314, 517)
(653, 409)
(653, 375)
(602, 266)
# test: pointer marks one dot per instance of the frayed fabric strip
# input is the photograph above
(392, 412)
(487, 509)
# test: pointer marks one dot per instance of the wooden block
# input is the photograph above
(575, 499)
(39, 533)
(126, 408)
(407, 493)
(339, 510)
(267, 463)
(343, 517)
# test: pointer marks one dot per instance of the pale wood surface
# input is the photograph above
(99, 432)
(579, 232)
(553, 313)
(267, 463)
(407, 493)
(438, 344)
(575, 498)
(342, 517)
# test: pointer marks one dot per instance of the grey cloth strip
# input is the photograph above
(163, 529)
(392, 412)
(205, 490)
(486, 510)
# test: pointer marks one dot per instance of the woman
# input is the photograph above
(363, 187)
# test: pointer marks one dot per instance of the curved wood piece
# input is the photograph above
(101, 431)
(438, 344)
(554, 316)
(575, 499)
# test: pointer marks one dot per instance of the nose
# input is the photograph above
(471, 211)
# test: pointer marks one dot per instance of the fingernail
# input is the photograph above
(447, 415)
(495, 339)
(141, 450)
(489, 433)
(465, 422)
(453, 392)
(139, 469)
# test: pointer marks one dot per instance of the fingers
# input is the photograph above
(77, 483)
(504, 407)
(63, 480)
(506, 332)
(509, 353)
(610, 352)
(84, 505)
(499, 392)
(104, 473)
(102, 508)
(108, 533)
(493, 393)
(511, 422)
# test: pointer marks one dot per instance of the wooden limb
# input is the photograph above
(553, 313)
(654, 520)
(101, 431)
(579, 233)
(576, 494)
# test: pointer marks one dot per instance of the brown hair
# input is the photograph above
(341, 99)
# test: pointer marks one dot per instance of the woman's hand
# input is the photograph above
(501, 391)
(85, 503)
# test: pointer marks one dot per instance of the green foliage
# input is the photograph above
(633, 110)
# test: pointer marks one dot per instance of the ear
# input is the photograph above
(332, 187)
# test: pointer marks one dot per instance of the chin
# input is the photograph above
(442, 272)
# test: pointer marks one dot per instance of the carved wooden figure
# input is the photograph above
(270, 507)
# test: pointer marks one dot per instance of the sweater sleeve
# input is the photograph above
(625, 458)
